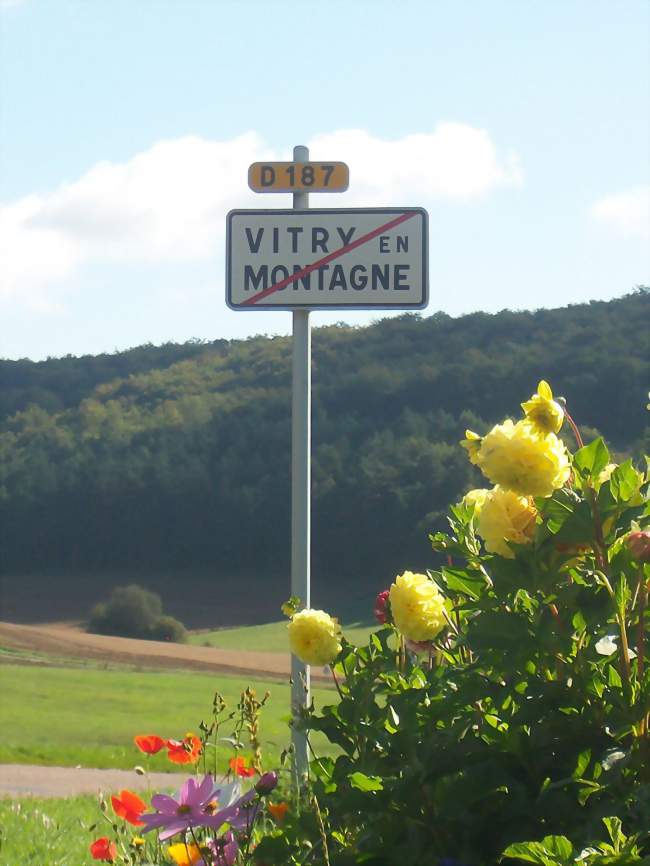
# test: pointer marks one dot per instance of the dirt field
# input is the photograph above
(65, 640)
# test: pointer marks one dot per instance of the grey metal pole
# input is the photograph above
(301, 488)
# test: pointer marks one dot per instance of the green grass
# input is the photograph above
(67, 716)
(37, 832)
(271, 637)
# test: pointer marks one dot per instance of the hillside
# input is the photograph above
(176, 459)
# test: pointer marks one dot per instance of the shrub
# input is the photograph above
(521, 730)
(169, 629)
(133, 611)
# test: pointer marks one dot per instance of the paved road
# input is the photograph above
(21, 780)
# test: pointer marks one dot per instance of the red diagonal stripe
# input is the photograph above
(292, 278)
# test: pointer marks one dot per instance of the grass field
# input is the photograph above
(271, 637)
(69, 715)
(35, 832)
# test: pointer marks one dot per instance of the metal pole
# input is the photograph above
(300, 488)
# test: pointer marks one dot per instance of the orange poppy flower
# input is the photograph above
(103, 849)
(240, 768)
(129, 806)
(185, 751)
(279, 811)
(149, 743)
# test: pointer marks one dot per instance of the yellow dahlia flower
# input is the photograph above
(476, 498)
(518, 458)
(506, 517)
(472, 444)
(542, 411)
(315, 637)
(417, 606)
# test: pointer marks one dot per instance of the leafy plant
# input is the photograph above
(518, 728)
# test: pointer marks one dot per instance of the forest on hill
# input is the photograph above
(177, 458)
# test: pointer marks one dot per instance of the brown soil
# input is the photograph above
(65, 640)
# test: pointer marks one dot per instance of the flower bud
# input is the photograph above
(266, 783)
(381, 603)
(639, 545)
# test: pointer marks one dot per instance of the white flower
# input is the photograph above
(606, 645)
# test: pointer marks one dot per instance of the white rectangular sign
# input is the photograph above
(334, 258)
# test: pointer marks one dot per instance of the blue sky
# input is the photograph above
(126, 128)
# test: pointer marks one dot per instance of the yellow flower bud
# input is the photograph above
(314, 636)
(476, 498)
(542, 411)
(504, 517)
(472, 444)
(417, 606)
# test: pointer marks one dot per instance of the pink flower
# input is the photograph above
(381, 607)
(195, 806)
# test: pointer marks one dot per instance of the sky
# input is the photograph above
(127, 128)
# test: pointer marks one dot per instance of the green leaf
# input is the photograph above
(583, 762)
(625, 481)
(365, 783)
(551, 851)
(559, 846)
(613, 677)
(592, 459)
(615, 830)
(469, 583)
(529, 852)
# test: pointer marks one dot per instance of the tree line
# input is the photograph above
(178, 457)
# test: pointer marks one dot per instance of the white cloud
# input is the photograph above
(456, 161)
(628, 213)
(168, 203)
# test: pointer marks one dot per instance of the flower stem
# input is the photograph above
(574, 427)
(599, 546)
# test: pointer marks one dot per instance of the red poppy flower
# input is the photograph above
(239, 768)
(129, 806)
(103, 849)
(186, 751)
(149, 743)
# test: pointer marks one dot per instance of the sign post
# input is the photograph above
(300, 489)
(307, 259)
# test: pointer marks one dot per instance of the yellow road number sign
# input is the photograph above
(298, 177)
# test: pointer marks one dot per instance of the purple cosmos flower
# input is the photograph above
(266, 783)
(196, 806)
(224, 850)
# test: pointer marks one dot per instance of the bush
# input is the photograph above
(517, 728)
(133, 611)
(169, 629)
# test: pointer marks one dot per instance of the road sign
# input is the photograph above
(298, 177)
(334, 259)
